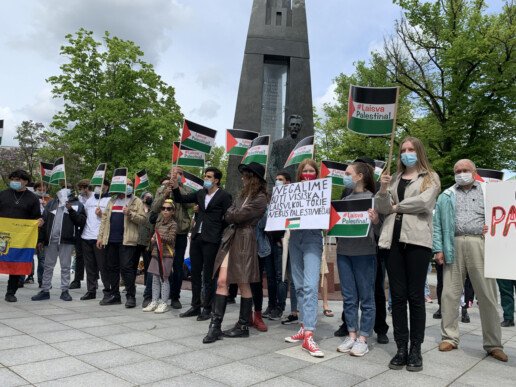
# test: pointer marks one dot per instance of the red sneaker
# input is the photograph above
(311, 346)
(299, 336)
(258, 322)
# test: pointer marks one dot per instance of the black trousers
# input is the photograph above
(233, 291)
(202, 257)
(257, 287)
(176, 279)
(380, 325)
(12, 284)
(119, 261)
(439, 288)
(469, 293)
(94, 260)
(79, 261)
(407, 266)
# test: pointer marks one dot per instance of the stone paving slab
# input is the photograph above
(80, 343)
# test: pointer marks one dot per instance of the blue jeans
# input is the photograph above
(427, 287)
(283, 285)
(305, 249)
(357, 277)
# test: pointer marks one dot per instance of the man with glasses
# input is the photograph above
(213, 203)
(118, 233)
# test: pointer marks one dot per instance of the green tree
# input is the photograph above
(116, 108)
(31, 137)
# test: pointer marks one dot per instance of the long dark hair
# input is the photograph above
(254, 186)
(367, 172)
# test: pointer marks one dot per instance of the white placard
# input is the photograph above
(500, 248)
(301, 206)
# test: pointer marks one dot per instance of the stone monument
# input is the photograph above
(275, 80)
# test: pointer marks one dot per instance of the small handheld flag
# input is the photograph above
(372, 110)
(303, 150)
(349, 218)
(18, 239)
(334, 170)
(378, 169)
(488, 175)
(58, 171)
(98, 175)
(192, 181)
(258, 151)
(119, 181)
(141, 180)
(238, 141)
(46, 171)
(185, 157)
(198, 137)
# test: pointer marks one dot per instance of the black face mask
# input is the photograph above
(148, 201)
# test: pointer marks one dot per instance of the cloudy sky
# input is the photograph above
(195, 45)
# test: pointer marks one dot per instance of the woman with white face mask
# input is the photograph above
(407, 200)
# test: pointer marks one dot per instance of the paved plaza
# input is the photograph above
(79, 343)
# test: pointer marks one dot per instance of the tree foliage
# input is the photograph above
(455, 64)
(116, 108)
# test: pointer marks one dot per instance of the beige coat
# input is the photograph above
(135, 217)
(417, 208)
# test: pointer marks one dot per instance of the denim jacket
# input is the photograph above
(262, 239)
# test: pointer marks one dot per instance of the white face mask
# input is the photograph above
(98, 190)
(464, 178)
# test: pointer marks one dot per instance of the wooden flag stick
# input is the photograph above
(393, 133)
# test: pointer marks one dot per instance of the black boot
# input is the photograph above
(465, 316)
(437, 315)
(219, 309)
(400, 359)
(241, 328)
(415, 360)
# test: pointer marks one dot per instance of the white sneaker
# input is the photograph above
(360, 348)
(162, 308)
(346, 345)
(151, 307)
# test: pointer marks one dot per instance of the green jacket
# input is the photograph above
(181, 217)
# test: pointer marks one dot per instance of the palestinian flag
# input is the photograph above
(141, 180)
(378, 169)
(192, 181)
(119, 181)
(303, 150)
(183, 156)
(46, 171)
(198, 137)
(334, 170)
(238, 141)
(159, 246)
(488, 175)
(258, 151)
(58, 171)
(291, 223)
(98, 175)
(349, 218)
(372, 110)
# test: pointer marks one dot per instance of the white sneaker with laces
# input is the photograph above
(360, 348)
(346, 345)
(162, 308)
(151, 307)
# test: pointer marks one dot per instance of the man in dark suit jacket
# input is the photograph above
(213, 203)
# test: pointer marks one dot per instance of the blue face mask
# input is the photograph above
(16, 185)
(129, 190)
(409, 159)
(348, 181)
(207, 184)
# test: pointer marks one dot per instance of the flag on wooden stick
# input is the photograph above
(45, 171)
(141, 180)
(58, 171)
(99, 175)
(185, 157)
(334, 170)
(303, 150)
(258, 151)
(119, 181)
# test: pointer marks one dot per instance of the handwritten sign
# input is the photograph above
(500, 261)
(303, 205)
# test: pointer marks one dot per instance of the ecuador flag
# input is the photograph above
(18, 239)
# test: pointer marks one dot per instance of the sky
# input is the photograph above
(196, 46)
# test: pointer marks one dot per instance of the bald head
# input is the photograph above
(464, 166)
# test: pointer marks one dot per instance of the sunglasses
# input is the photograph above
(167, 209)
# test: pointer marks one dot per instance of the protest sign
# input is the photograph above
(349, 218)
(500, 239)
(303, 205)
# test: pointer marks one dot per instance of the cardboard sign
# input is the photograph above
(500, 261)
(303, 205)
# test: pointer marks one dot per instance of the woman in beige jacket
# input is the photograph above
(407, 200)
